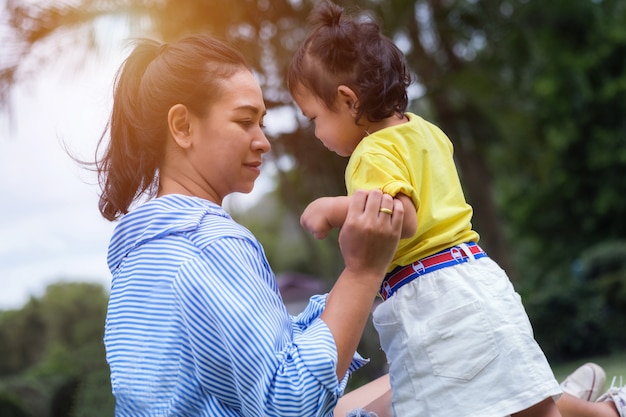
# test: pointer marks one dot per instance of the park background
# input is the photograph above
(531, 93)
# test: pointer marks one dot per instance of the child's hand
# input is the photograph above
(315, 217)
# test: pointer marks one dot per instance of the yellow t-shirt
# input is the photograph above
(416, 159)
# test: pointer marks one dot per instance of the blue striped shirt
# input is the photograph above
(196, 325)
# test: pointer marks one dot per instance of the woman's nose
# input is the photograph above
(262, 143)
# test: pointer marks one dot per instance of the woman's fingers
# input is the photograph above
(369, 237)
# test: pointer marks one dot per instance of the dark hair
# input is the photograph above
(352, 52)
(151, 80)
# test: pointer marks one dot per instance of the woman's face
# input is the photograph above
(228, 143)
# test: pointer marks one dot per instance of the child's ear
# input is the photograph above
(178, 119)
(348, 97)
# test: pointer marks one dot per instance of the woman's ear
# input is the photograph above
(178, 120)
(347, 97)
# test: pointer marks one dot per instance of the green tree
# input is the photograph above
(268, 33)
(74, 313)
(11, 407)
(562, 177)
(23, 338)
(55, 361)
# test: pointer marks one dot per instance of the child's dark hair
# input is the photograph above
(351, 52)
(151, 80)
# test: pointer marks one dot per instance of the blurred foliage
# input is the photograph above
(528, 91)
(10, 406)
(561, 177)
(580, 315)
(64, 372)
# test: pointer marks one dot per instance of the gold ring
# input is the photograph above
(386, 210)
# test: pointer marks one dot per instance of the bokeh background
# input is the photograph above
(532, 94)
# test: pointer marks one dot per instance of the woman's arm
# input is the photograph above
(368, 241)
(375, 396)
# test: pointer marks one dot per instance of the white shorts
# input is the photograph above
(459, 343)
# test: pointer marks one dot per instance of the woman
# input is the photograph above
(196, 325)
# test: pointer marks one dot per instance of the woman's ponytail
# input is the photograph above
(126, 169)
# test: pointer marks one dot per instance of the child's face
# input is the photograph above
(336, 128)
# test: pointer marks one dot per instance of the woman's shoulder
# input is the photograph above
(199, 221)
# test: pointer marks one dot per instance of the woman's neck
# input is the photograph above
(168, 185)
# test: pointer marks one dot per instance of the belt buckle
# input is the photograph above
(456, 253)
(418, 267)
(387, 288)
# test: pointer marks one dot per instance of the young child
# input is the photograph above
(456, 336)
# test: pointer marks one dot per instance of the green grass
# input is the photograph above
(614, 365)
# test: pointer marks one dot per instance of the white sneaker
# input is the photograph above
(617, 394)
(586, 382)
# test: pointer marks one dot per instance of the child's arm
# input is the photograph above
(325, 213)
(409, 224)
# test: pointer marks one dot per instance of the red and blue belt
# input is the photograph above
(448, 257)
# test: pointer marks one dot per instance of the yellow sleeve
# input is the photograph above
(377, 170)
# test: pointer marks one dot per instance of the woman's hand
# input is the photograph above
(369, 236)
(368, 241)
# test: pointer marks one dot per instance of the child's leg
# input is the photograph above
(581, 397)
(571, 406)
